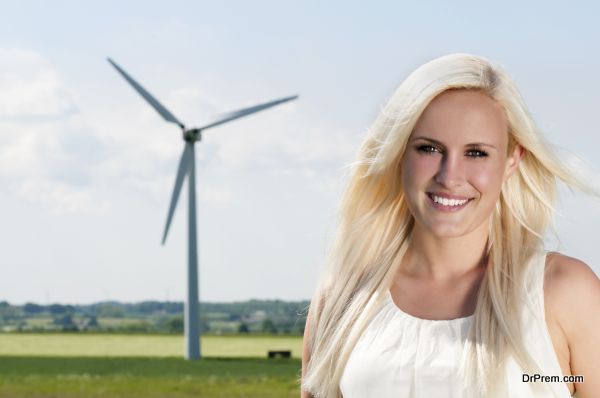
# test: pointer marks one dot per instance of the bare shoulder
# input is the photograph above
(572, 297)
(572, 290)
(564, 269)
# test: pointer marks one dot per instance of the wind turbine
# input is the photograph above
(187, 166)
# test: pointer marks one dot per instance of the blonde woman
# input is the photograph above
(437, 283)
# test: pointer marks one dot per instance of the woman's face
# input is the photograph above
(456, 161)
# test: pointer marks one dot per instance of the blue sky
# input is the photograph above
(87, 167)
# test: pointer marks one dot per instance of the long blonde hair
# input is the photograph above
(375, 227)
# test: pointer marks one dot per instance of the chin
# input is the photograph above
(447, 231)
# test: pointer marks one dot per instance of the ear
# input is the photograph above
(512, 163)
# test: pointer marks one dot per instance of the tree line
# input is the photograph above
(249, 317)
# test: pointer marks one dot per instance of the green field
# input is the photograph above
(141, 345)
(101, 365)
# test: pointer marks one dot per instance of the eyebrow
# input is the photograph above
(472, 144)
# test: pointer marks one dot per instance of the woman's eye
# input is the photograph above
(476, 153)
(427, 149)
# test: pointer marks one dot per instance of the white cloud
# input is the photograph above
(55, 155)
(277, 140)
(282, 138)
(58, 197)
(193, 106)
(48, 152)
(30, 87)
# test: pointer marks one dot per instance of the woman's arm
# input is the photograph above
(573, 297)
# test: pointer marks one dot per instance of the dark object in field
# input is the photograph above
(282, 354)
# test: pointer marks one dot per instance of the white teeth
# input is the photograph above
(448, 202)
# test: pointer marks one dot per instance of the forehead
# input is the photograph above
(463, 115)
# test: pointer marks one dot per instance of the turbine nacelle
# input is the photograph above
(192, 135)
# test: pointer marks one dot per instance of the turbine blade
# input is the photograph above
(184, 167)
(246, 111)
(164, 112)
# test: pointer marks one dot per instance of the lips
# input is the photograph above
(448, 203)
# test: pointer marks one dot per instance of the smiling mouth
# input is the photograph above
(446, 204)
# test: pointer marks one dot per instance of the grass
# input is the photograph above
(66, 377)
(149, 366)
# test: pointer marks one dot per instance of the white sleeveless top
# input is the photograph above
(402, 356)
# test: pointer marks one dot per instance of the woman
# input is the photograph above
(437, 284)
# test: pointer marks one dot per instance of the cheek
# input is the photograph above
(487, 179)
(418, 170)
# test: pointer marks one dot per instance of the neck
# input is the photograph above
(442, 258)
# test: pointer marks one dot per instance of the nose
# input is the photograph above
(450, 173)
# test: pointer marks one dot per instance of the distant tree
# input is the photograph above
(21, 325)
(91, 323)
(65, 322)
(32, 309)
(268, 326)
(150, 307)
(110, 310)
(59, 309)
(299, 327)
(173, 307)
(243, 328)
(56, 309)
(9, 313)
(204, 322)
(175, 324)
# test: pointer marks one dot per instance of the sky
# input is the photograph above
(87, 167)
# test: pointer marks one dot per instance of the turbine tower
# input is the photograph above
(187, 167)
